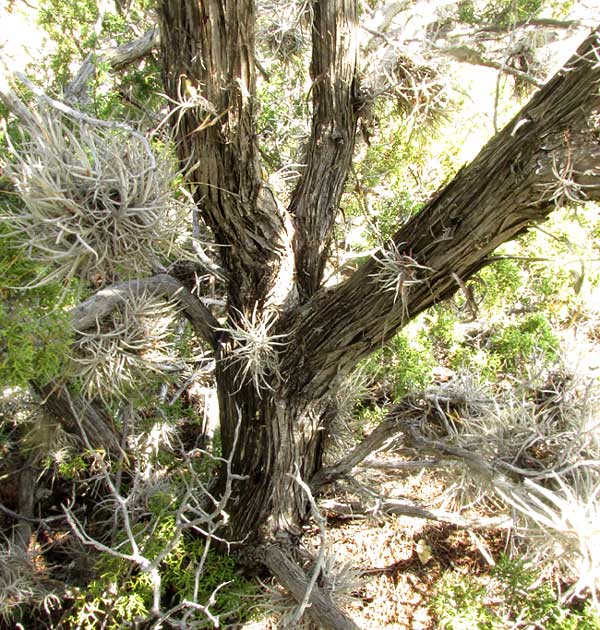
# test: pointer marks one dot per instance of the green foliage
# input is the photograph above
(500, 284)
(72, 27)
(500, 13)
(404, 364)
(458, 604)
(519, 342)
(120, 593)
(389, 212)
(282, 117)
(72, 467)
(85, 26)
(34, 331)
(442, 328)
(514, 598)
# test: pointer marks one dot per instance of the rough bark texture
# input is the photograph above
(321, 609)
(80, 417)
(210, 43)
(208, 49)
(550, 148)
(274, 258)
(336, 102)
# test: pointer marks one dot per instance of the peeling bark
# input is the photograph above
(207, 48)
(336, 103)
(551, 148)
(548, 153)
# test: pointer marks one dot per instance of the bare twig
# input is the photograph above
(116, 58)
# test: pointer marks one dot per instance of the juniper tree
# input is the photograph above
(287, 341)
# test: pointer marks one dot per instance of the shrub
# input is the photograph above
(532, 338)
(513, 598)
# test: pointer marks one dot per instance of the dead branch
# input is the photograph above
(104, 301)
(117, 58)
(399, 507)
(465, 54)
(321, 609)
(376, 440)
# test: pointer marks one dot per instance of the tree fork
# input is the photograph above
(548, 153)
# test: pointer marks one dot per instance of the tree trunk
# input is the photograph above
(274, 258)
(271, 255)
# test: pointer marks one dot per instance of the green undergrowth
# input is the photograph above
(514, 597)
(404, 364)
(35, 331)
(122, 594)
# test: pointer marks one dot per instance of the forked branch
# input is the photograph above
(208, 50)
(511, 185)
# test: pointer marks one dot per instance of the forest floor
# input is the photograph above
(395, 584)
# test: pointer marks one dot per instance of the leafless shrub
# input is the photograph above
(540, 454)
(195, 509)
(559, 526)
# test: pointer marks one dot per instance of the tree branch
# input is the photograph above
(75, 412)
(548, 154)
(465, 54)
(532, 22)
(315, 200)
(11, 101)
(321, 609)
(86, 315)
(391, 425)
(406, 508)
(117, 58)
